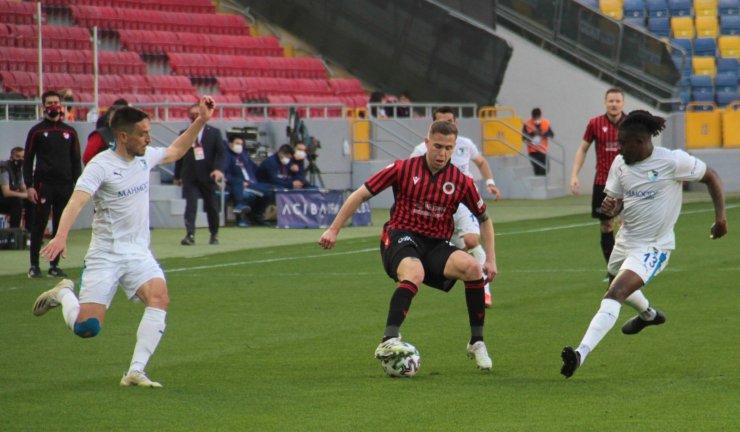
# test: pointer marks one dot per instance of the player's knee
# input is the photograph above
(87, 328)
(470, 269)
(471, 241)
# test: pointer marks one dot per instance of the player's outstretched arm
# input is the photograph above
(182, 143)
(487, 174)
(329, 237)
(714, 185)
(580, 157)
(487, 235)
(58, 245)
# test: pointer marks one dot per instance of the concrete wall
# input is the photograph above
(567, 95)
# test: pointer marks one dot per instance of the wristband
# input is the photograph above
(490, 182)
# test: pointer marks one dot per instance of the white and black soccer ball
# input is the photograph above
(403, 365)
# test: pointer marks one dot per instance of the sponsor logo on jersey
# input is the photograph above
(448, 188)
(604, 128)
(143, 163)
(653, 175)
(66, 135)
(117, 173)
(416, 179)
(642, 195)
(133, 190)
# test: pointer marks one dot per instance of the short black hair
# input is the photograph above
(120, 102)
(536, 113)
(125, 117)
(641, 121)
(443, 110)
(286, 148)
(49, 93)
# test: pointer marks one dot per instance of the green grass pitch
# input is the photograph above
(281, 338)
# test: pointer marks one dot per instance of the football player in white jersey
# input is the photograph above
(645, 184)
(467, 229)
(117, 180)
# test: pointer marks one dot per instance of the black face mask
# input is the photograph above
(53, 111)
(18, 163)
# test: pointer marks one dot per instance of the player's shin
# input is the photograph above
(475, 299)
(148, 336)
(399, 307)
(600, 325)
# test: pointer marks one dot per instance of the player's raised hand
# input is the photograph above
(55, 247)
(328, 239)
(207, 106)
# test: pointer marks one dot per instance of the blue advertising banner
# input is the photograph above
(314, 208)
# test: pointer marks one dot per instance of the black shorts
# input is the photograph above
(597, 197)
(396, 245)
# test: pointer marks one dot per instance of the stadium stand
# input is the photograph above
(151, 54)
(612, 8)
(705, 8)
(730, 25)
(634, 9)
(729, 7)
(657, 8)
(705, 47)
(679, 8)
(707, 26)
(682, 27)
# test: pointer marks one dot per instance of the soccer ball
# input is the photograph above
(403, 365)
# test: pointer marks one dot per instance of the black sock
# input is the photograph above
(476, 301)
(607, 244)
(399, 307)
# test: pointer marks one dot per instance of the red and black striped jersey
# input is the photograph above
(604, 132)
(425, 202)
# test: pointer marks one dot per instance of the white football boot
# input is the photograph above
(138, 378)
(479, 353)
(51, 298)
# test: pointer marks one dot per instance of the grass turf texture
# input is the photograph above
(281, 338)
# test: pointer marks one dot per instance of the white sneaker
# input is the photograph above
(391, 348)
(138, 378)
(479, 352)
(50, 299)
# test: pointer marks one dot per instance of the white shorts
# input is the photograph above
(645, 261)
(465, 223)
(104, 271)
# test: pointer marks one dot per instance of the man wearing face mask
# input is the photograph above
(12, 190)
(50, 169)
(249, 196)
(298, 164)
(537, 131)
(276, 170)
(199, 173)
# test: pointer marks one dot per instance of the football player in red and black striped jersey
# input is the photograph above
(415, 244)
(603, 130)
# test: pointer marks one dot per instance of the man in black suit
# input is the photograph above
(199, 173)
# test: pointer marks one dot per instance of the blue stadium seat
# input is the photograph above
(705, 47)
(729, 7)
(660, 26)
(726, 81)
(729, 25)
(679, 7)
(687, 47)
(634, 9)
(593, 4)
(657, 8)
(726, 96)
(728, 65)
(700, 81)
(702, 88)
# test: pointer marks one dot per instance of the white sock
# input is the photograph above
(148, 336)
(641, 304)
(70, 307)
(600, 325)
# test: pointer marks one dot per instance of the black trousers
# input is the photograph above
(542, 158)
(13, 207)
(191, 191)
(52, 199)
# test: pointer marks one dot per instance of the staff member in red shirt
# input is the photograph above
(415, 246)
(603, 130)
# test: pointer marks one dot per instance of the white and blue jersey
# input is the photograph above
(652, 193)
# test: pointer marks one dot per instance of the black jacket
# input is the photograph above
(189, 170)
(55, 149)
